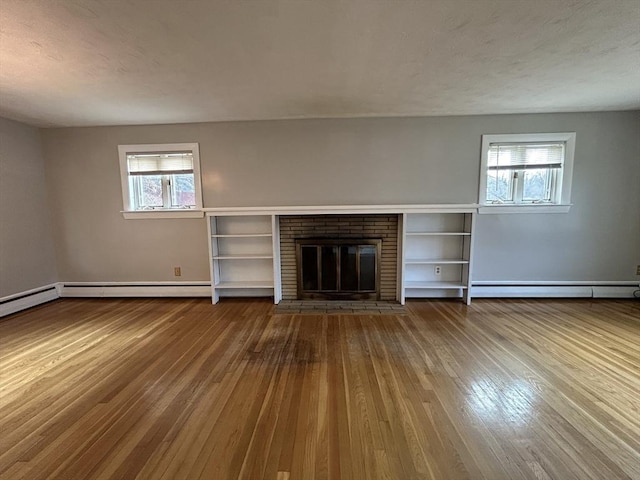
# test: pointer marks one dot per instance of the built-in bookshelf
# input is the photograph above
(244, 256)
(435, 249)
(436, 255)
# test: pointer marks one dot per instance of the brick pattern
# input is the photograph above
(340, 307)
(384, 227)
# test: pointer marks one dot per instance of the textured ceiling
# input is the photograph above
(114, 62)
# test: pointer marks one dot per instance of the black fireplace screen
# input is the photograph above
(343, 269)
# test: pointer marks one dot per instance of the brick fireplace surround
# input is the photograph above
(367, 226)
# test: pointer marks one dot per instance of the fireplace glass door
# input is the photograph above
(338, 269)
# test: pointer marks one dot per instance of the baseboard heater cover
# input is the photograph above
(31, 298)
(27, 299)
(555, 290)
(187, 289)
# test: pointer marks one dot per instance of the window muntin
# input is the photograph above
(526, 169)
(160, 177)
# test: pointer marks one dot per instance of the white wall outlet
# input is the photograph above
(437, 270)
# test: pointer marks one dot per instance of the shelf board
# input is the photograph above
(435, 261)
(433, 285)
(240, 235)
(426, 234)
(243, 257)
(245, 284)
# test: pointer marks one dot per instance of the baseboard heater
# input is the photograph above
(146, 289)
(555, 290)
(29, 298)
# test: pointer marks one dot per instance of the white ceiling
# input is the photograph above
(115, 62)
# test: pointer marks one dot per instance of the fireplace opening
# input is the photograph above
(338, 269)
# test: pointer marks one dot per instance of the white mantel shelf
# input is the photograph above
(343, 209)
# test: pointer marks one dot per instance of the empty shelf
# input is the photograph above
(433, 285)
(248, 256)
(246, 284)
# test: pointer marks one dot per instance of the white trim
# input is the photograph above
(342, 209)
(136, 289)
(27, 299)
(566, 172)
(128, 211)
(143, 214)
(557, 289)
(277, 265)
(501, 283)
(401, 257)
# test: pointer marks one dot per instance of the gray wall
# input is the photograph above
(27, 256)
(354, 161)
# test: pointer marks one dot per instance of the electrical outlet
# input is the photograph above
(637, 269)
(176, 271)
(437, 270)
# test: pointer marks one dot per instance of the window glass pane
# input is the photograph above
(500, 185)
(348, 268)
(310, 268)
(148, 189)
(329, 268)
(536, 185)
(368, 268)
(183, 192)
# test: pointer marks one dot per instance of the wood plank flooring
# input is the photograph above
(181, 389)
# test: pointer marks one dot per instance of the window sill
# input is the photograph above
(147, 214)
(483, 209)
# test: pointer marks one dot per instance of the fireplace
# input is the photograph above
(341, 230)
(338, 269)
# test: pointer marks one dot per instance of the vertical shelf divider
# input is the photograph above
(275, 244)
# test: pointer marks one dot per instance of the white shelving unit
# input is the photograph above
(244, 256)
(244, 247)
(436, 254)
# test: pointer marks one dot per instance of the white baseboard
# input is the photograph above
(605, 289)
(27, 299)
(31, 298)
(135, 289)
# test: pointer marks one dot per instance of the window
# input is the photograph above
(526, 172)
(161, 180)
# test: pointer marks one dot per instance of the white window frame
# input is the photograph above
(129, 211)
(562, 201)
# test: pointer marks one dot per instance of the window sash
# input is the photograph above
(169, 192)
(517, 185)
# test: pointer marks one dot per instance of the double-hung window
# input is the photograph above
(526, 170)
(160, 179)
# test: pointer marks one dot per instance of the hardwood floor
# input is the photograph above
(181, 389)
